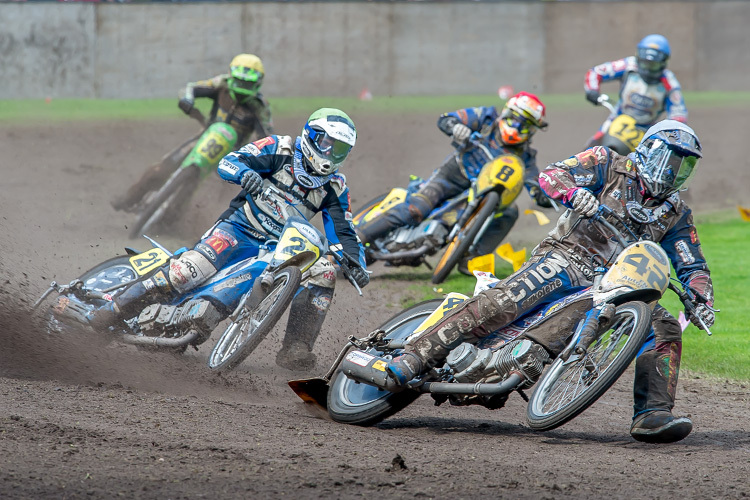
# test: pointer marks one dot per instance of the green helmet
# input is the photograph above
(327, 138)
(245, 76)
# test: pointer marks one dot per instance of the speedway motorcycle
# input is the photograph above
(603, 327)
(251, 295)
(216, 141)
(454, 227)
(623, 134)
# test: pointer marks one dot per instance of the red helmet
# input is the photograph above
(521, 116)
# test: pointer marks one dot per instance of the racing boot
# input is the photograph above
(376, 228)
(128, 303)
(306, 315)
(656, 374)
(660, 426)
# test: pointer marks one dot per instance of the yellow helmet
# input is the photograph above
(245, 76)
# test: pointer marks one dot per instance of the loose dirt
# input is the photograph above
(83, 416)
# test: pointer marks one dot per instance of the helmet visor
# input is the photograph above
(668, 170)
(518, 122)
(326, 146)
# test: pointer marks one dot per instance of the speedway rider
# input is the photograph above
(642, 189)
(279, 176)
(236, 100)
(480, 135)
(647, 87)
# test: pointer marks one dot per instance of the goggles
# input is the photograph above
(326, 146)
(521, 124)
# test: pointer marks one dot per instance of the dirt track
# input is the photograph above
(84, 417)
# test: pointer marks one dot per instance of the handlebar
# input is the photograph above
(688, 296)
(343, 262)
(603, 100)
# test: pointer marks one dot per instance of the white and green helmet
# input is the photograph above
(327, 138)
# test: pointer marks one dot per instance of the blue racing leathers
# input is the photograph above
(642, 100)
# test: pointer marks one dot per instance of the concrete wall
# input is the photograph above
(151, 50)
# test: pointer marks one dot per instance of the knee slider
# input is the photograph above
(190, 270)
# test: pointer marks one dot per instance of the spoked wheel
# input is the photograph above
(351, 402)
(251, 326)
(567, 388)
(465, 237)
(167, 200)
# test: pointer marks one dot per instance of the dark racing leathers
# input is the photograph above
(644, 101)
(250, 220)
(564, 261)
(251, 118)
(455, 175)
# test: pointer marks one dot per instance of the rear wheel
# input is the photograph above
(167, 201)
(465, 237)
(351, 402)
(245, 333)
(360, 214)
(567, 388)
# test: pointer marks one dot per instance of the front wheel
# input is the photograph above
(351, 402)
(167, 200)
(567, 388)
(465, 237)
(246, 332)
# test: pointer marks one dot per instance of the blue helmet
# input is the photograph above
(666, 158)
(652, 55)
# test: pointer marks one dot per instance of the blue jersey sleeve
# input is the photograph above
(256, 155)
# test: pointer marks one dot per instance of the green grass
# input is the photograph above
(34, 110)
(725, 239)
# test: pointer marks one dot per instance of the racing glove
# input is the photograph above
(186, 105)
(460, 133)
(593, 96)
(540, 197)
(705, 314)
(251, 182)
(360, 276)
(584, 202)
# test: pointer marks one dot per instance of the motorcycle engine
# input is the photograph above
(159, 320)
(470, 364)
(430, 232)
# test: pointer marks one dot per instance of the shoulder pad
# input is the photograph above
(631, 63)
(671, 79)
(286, 145)
(338, 181)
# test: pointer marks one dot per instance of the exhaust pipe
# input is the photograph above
(160, 341)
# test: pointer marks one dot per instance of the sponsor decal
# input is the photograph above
(329, 275)
(308, 233)
(216, 242)
(207, 250)
(629, 166)
(321, 303)
(638, 213)
(251, 148)
(584, 180)
(348, 216)
(305, 180)
(359, 358)
(233, 282)
(107, 297)
(268, 223)
(379, 365)
(694, 236)
(616, 194)
(675, 97)
(266, 141)
(228, 166)
(160, 280)
(545, 290)
(538, 276)
(642, 101)
(570, 162)
(683, 250)
(226, 236)
(149, 284)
